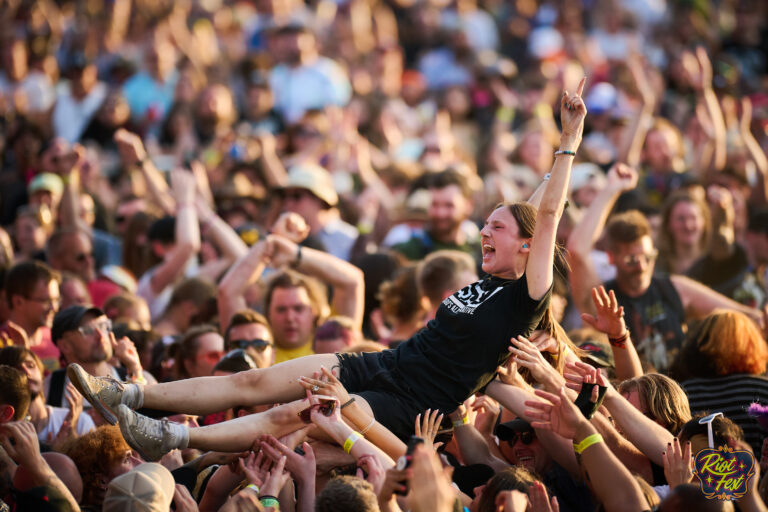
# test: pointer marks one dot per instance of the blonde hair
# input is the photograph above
(663, 397)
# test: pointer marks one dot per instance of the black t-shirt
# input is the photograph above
(723, 276)
(458, 352)
(655, 321)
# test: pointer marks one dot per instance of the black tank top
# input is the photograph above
(655, 321)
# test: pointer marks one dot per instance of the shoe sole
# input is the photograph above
(128, 436)
(77, 380)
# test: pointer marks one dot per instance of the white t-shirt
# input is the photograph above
(56, 417)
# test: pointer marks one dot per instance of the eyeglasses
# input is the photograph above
(211, 356)
(257, 343)
(707, 420)
(54, 303)
(105, 327)
(635, 259)
(526, 437)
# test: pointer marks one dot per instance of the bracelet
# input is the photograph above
(254, 488)
(587, 442)
(459, 423)
(137, 378)
(366, 429)
(565, 152)
(365, 227)
(269, 501)
(351, 440)
(348, 402)
(297, 261)
(546, 177)
(621, 341)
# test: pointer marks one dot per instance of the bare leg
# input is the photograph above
(206, 395)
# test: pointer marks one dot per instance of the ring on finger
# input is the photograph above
(315, 388)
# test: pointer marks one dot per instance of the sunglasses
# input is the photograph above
(297, 195)
(526, 437)
(104, 326)
(707, 420)
(257, 343)
(634, 259)
(325, 407)
(212, 356)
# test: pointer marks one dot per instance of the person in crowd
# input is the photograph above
(32, 292)
(402, 307)
(441, 274)
(198, 351)
(54, 425)
(657, 307)
(450, 207)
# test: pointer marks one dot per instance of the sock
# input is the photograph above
(133, 396)
(181, 435)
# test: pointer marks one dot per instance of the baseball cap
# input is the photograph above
(148, 487)
(585, 173)
(46, 181)
(68, 319)
(599, 353)
(508, 430)
(314, 178)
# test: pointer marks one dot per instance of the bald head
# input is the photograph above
(66, 470)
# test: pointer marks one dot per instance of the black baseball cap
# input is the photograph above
(508, 430)
(68, 319)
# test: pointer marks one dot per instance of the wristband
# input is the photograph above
(297, 261)
(366, 429)
(621, 341)
(505, 114)
(269, 501)
(365, 227)
(463, 421)
(587, 442)
(351, 440)
(348, 402)
(584, 400)
(565, 152)
(137, 379)
(254, 488)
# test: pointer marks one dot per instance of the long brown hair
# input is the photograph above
(666, 241)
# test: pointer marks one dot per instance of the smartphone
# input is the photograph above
(405, 460)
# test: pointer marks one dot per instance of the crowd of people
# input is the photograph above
(362, 255)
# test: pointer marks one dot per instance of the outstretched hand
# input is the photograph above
(678, 463)
(428, 425)
(557, 413)
(622, 177)
(610, 316)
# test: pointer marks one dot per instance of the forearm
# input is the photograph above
(647, 435)
(225, 238)
(625, 451)
(535, 199)
(43, 476)
(219, 487)
(157, 187)
(633, 147)
(586, 233)
(274, 171)
(474, 448)
(340, 433)
(390, 505)
(613, 484)
(305, 501)
(187, 227)
(626, 361)
(377, 434)
(346, 279)
(553, 199)
(69, 209)
(718, 127)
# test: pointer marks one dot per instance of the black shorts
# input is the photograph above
(372, 376)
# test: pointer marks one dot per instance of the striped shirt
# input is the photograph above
(731, 395)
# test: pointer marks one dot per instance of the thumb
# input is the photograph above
(589, 319)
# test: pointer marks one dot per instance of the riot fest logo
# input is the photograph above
(724, 473)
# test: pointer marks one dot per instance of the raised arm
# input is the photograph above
(632, 145)
(700, 300)
(541, 258)
(610, 320)
(133, 153)
(187, 241)
(702, 83)
(241, 275)
(583, 276)
(756, 153)
(346, 279)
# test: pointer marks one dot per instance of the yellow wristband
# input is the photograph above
(351, 440)
(463, 421)
(587, 442)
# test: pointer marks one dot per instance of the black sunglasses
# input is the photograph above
(526, 437)
(257, 343)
